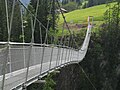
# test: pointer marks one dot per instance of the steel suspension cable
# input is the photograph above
(22, 22)
(40, 33)
(36, 13)
(62, 42)
(5, 62)
(23, 35)
(71, 35)
(46, 37)
(48, 23)
(45, 40)
(54, 21)
(66, 23)
(9, 36)
(86, 76)
(12, 15)
(10, 27)
(32, 14)
(7, 16)
(34, 25)
(52, 10)
(59, 49)
(30, 49)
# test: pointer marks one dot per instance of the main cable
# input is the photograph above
(48, 23)
(32, 14)
(66, 24)
(86, 76)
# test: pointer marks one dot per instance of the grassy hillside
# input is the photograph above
(78, 16)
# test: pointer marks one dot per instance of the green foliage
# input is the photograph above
(16, 24)
(112, 30)
(103, 54)
(111, 39)
(97, 2)
(49, 84)
(67, 1)
(84, 5)
(70, 6)
(3, 29)
(46, 11)
(43, 12)
(27, 25)
(16, 30)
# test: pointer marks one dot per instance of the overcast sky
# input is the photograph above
(25, 1)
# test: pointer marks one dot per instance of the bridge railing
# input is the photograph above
(19, 55)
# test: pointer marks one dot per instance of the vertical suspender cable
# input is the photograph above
(36, 12)
(86, 76)
(40, 33)
(5, 62)
(6, 4)
(10, 27)
(62, 43)
(51, 57)
(53, 27)
(65, 39)
(66, 23)
(52, 5)
(71, 50)
(12, 15)
(43, 50)
(57, 57)
(66, 26)
(30, 50)
(4, 68)
(72, 43)
(32, 14)
(23, 35)
(48, 23)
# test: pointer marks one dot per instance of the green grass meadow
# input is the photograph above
(81, 15)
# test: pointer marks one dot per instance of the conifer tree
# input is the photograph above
(3, 29)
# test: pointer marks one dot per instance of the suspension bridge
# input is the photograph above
(24, 63)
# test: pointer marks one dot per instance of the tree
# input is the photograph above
(111, 40)
(90, 3)
(16, 24)
(103, 57)
(45, 14)
(70, 6)
(16, 29)
(3, 28)
(97, 2)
